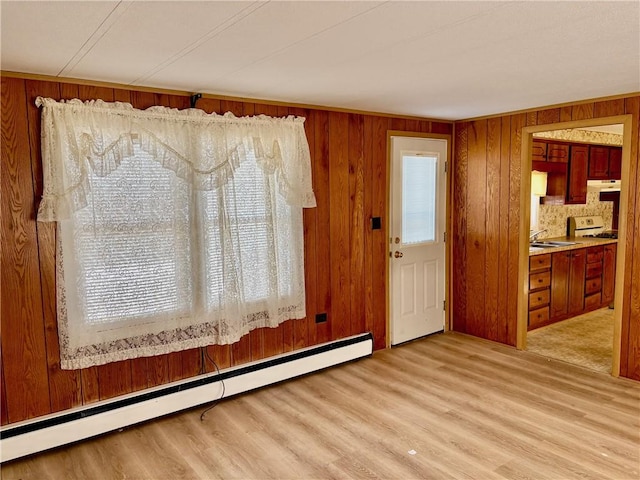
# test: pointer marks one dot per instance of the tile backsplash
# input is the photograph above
(553, 218)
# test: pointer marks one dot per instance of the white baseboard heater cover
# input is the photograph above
(42, 433)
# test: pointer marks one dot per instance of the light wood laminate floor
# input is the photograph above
(448, 406)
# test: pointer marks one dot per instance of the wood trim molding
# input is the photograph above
(448, 245)
(525, 196)
(551, 107)
(97, 83)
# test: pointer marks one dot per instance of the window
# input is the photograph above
(419, 193)
(157, 252)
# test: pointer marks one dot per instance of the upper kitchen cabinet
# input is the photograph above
(569, 165)
(605, 162)
(598, 162)
(615, 163)
(549, 151)
(578, 166)
(539, 151)
(558, 152)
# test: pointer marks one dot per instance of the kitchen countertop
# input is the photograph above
(581, 242)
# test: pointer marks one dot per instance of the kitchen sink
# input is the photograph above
(551, 244)
(542, 245)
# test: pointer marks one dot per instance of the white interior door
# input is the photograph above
(417, 263)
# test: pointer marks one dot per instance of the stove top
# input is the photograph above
(610, 234)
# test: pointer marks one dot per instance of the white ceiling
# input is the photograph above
(449, 60)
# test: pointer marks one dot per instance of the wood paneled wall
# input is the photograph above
(344, 259)
(486, 219)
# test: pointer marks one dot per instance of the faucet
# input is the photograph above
(533, 236)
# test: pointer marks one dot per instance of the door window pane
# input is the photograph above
(419, 198)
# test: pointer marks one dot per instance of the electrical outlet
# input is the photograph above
(321, 317)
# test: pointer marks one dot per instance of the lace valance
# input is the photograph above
(203, 149)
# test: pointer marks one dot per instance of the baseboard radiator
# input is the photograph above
(42, 433)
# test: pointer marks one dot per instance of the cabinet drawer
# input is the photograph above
(594, 270)
(539, 262)
(538, 317)
(592, 301)
(593, 285)
(539, 280)
(539, 299)
(595, 254)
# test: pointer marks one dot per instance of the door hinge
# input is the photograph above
(444, 237)
(444, 305)
(446, 167)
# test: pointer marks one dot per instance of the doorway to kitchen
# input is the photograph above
(417, 237)
(574, 192)
(585, 340)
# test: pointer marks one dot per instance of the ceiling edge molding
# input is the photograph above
(551, 107)
(166, 91)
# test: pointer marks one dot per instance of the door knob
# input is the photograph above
(398, 254)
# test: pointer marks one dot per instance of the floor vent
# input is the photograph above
(43, 433)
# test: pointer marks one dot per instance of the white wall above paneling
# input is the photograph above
(449, 60)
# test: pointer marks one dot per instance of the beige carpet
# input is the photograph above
(585, 340)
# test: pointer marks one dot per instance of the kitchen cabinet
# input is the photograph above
(556, 181)
(575, 284)
(556, 286)
(598, 162)
(576, 281)
(558, 152)
(539, 151)
(568, 283)
(577, 182)
(609, 274)
(559, 306)
(605, 163)
(549, 151)
(570, 165)
(593, 278)
(615, 163)
(539, 293)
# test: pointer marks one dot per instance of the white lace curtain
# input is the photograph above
(176, 229)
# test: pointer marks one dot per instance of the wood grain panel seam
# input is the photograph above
(32, 155)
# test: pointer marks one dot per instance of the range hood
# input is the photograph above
(603, 185)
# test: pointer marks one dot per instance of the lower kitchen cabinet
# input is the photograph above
(576, 281)
(569, 283)
(539, 294)
(593, 278)
(560, 264)
(609, 274)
